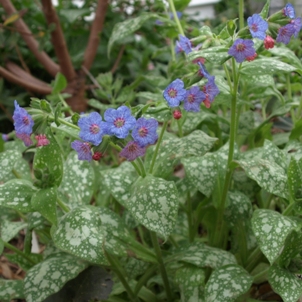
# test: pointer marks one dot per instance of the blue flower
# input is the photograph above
(241, 49)
(23, 121)
(257, 26)
(144, 132)
(5, 137)
(203, 71)
(132, 150)
(193, 99)
(289, 11)
(119, 121)
(285, 33)
(211, 91)
(25, 138)
(174, 93)
(297, 26)
(92, 128)
(83, 149)
(184, 44)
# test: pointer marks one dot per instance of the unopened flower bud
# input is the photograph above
(97, 156)
(177, 114)
(251, 58)
(269, 42)
(42, 140)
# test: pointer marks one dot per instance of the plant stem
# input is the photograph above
(289, 209)
(259, 277)
(172, 7)
(157, 146)
(142, 167)
(161, 265)
(241, 14)
(142, 280)
(63, 206)
(62, 121)
(11, 247)
(121, 275)
(290, 96)
(180, 134)
(190, 220)
(253, 259)
(65, 104)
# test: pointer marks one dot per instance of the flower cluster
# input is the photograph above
(185, 45)
(242, 49)
(117, 122)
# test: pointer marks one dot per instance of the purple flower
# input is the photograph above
(5, 137)
(289, 11)
(184, 44)
(92, 128)
(285, 33)
(193, 99)
(297, 26)
(119, 121)
(175, 93)
(241, 49)
(23, 122)
(210, 89)
(25, 138)
(257, 26)
(83, 149)
(132, 150)
(144, 132)
(203, 71)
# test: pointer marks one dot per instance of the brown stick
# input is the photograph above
(58, 41)
(23, 82)
(51, 67)
(118, 59)
(94, 37)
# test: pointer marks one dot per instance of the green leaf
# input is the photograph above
(294, 175)
(215, 55)
(78, 180)
(154, 203)
(190, 280)
(49, 160)
(265, 10)
(49, 276)
(11, 289)
(16, 194)
(45, 202)
(265, 66)
(271, 230)
(8, 160)
(267, 174)
(119, 180)
(227, 283)
(285, 283)
(296, 131)
(10, 229)
(79, 233)
(72, 15)
(24, 263)
(124, 29)
(273, 154)
(287, 54)
(59, 83)
(71, 132)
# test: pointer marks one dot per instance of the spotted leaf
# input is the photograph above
(7, 162)
(227, 283)
(9, 229)
(294, 174)
(154, 203)
(78, 180)
(271, 230)
(273, 154)
(285, 283)
(79, 233)
(119, 180)
(16, 194)
(11, 289)
(267, 174)
(49, 276)
(45, 202)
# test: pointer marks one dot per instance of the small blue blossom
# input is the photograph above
(297, 26)
(119, 121)
(132, 150)
(203, 71)
(289, 11)
(25, 138)
(23, 121)
(144, 132)
(5, 137)
(184, 44)
(211, 91)
(92, 128)
(193, 99)
(174, 93)
(241, 49)
(83, 149)
(285, 33)
(257, 26)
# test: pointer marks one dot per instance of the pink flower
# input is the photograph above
(42, 140)
(269, 42)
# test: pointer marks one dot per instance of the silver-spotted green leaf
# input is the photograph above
(293, 149)
(7, 163)
(79, 233)
(245, 184)
(285, 283)
(246, 123)
(124, 29)
(49, 276)
(17, 145)
(271, 230)
(202, 255)
(16, 194)
(70, 132)
(287, 54)
(78, 180)
(272, 153)
(266, 66)
(25, 264)
(45, 202)
(135, 267)
(190, 280)
(11, 289)
(154, 203)
(9, 229)
(119, 180)
(227, 283)
(215, 55)
(267, 174)
(49, 160)
(202, 172)
(294, 174)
